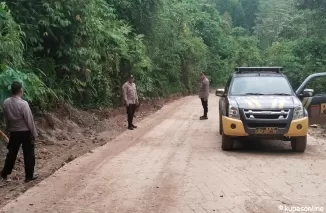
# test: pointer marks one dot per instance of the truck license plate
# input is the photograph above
(266, 130)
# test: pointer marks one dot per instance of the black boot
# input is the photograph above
(5, 177)
(204, 117)
(29, 179)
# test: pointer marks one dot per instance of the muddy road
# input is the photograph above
(173, 163)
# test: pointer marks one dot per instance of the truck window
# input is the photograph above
(265, 85)
(318, 85)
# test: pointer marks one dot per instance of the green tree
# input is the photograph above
(274, 17)
(11, 46)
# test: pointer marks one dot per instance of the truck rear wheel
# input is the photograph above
(299, 144)
(227, 142)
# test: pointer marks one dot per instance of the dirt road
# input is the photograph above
(173, 163)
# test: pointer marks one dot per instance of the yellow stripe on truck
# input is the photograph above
(256, 102)
(304, 101)
(251, 105)
(281, 104)
(308, 103)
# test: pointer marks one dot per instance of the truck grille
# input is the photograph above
(266, 114)
(255, 118)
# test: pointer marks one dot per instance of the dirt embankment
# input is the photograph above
(68, 133)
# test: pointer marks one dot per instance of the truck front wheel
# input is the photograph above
(220, 124)
(227, 142)
(299, 144)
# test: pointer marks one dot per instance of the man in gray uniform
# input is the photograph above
(20, 124)
(203, 94)
(130, 97)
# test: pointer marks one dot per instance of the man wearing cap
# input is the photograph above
(203, 94)
(130, 97)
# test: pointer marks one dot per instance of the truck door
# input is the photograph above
(312, 93)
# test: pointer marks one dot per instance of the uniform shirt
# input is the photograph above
(18, 116)
(130, 93)
(204, 88)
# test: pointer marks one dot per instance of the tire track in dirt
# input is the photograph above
(170, 138)
(153, 139)
(162, 198)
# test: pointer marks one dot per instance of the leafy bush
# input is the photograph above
(35, 91)
(11, 55)
(11, 47)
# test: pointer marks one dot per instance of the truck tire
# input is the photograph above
(220, 124)
(227, 142)
(299, 144)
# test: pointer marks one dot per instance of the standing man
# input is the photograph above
(130, 97)
(20, 124)
(203, 94)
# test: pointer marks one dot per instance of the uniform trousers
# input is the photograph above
(16, 139)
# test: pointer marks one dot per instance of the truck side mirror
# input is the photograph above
(308, 93)
(219, 92)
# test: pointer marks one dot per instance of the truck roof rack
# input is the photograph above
(258, 69)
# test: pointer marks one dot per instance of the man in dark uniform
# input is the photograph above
(130, 97)
(20, 124)
(203, 94)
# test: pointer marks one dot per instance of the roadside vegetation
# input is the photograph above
(80, 51)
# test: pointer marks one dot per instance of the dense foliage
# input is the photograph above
(289, 33)
(81, 50)
(296, 38)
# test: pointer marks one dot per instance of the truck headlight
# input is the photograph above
(298, 112)
(234, 112)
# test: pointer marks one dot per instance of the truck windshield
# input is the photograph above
(260, 85)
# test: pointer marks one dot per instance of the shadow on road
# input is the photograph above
(272, 147)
